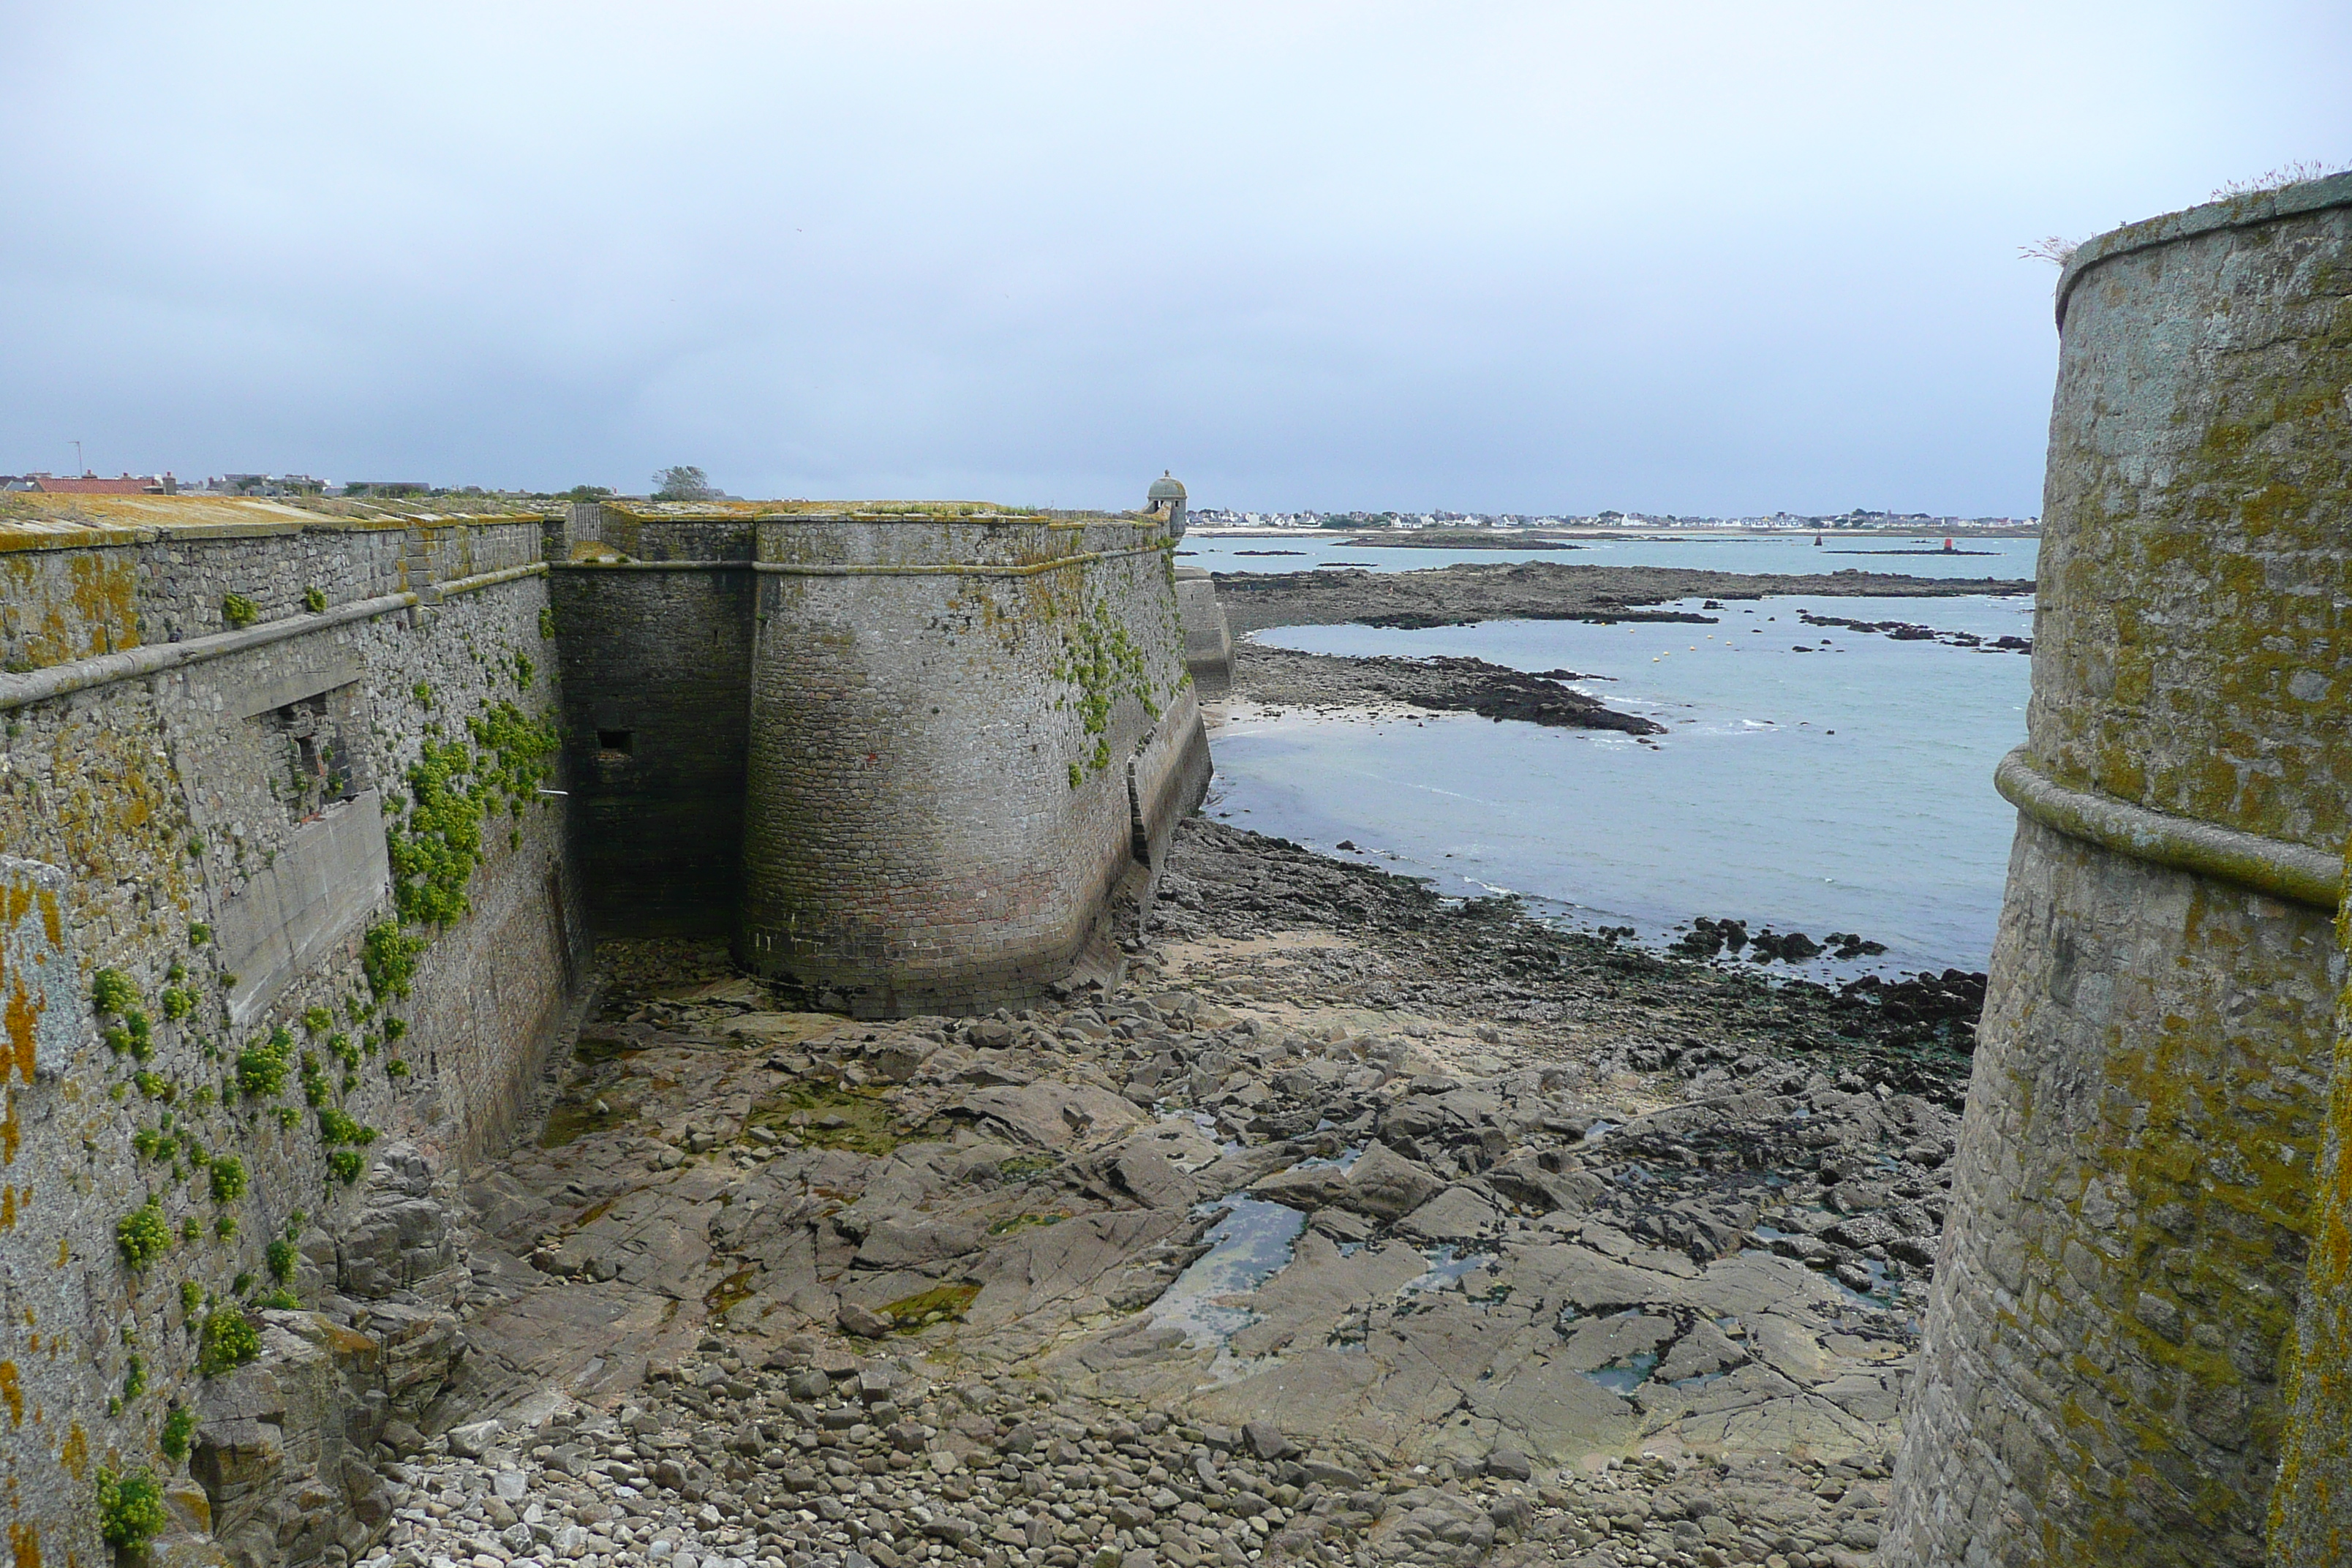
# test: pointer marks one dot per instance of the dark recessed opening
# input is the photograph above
(621, 741)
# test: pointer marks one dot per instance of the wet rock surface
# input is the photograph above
(1354, 1226)
(1542, 590)
(1278, 677)
(1909, 631)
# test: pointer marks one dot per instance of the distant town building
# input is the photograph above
(266, 485)
(88, 484)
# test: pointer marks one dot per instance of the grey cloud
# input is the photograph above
(1695, 257)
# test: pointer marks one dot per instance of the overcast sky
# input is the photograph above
(1699, 258)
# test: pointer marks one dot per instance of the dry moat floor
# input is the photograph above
(1353, 1227)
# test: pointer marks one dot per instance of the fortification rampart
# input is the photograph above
(909, 760)
(203, 803)
(950, 726)
(2115, 1307)
(301, 819)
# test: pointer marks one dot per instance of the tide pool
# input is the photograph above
(1848, 787)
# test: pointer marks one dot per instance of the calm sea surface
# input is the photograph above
(1297, 551)
(1846, 788)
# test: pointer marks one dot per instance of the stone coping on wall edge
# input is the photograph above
(928, 569)
(2231, 212)
(80, 674)
(2295, 872)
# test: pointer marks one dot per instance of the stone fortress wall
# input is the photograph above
(2111, 1371)
(306, 822)
(906, 759)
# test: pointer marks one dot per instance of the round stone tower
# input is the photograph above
(2114, 1313)
(1166, 498)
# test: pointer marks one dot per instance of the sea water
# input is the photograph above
(1845, 788)
(1922, 556)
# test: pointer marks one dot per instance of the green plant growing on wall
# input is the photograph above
(261, 1066)
(314, 598)
(436, 847)
(524, 669)
(346, 1164)
(130, 1510)
(388, 959)
(340, 1047)
(199, 933)
(278, 1257)
(134, 1377)
(314, 1085)
(190, 1229)
(143, 1236)
(225, 1226)
(111, 991)
(134, 1035)
(227, 1179)
(435, 851)
(318, 1020)
(192, 1296)
(547, 621)
(288, 1118)
(226, 1343)
(336, 1126)
(423, 692)
(178, 1002)
(238, 610)
(519, 752)
(1103, 664)
(178, 1427)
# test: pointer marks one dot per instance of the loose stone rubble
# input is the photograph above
(1356, 1226)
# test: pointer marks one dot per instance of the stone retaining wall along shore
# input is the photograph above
(2112, 1370)
(304, 811)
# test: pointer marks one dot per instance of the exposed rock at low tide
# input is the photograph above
(1356, 1227)
(1279, 677)
(1543, 590)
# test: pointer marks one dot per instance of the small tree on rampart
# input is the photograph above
(683, 483)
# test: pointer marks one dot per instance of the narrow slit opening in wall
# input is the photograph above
(621, 741)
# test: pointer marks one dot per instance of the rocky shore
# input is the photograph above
(1354, 1226)
(1541, 590)
(1281, 677)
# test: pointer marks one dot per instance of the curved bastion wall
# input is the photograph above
(307, 814)
(965, 735)
(910, 761)
(2110, 1371)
